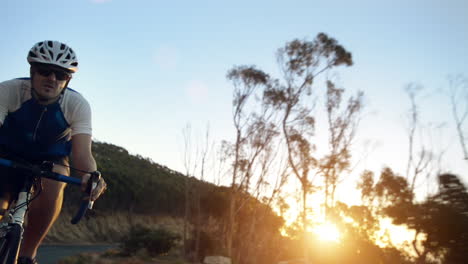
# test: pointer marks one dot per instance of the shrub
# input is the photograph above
(207, 246)
(155, 241)
(78, 259)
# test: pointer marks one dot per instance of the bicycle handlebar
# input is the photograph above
(45, 171)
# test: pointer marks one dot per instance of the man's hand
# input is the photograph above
(96, 191)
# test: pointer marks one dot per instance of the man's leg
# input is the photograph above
(43, 211)
(6, 191)
(4, 203)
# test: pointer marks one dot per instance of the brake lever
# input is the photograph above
(87, 203)
(95, 178)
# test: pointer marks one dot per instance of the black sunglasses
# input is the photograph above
(59, 74)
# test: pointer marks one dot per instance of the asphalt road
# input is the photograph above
(51, 254)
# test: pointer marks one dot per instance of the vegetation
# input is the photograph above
(155, 241)
(151, 192)
(136, 184)
(80, 259)
(275, 141)
(441, 217)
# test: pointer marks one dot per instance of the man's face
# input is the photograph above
(48, 81)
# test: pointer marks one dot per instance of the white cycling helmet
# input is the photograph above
(53, 52)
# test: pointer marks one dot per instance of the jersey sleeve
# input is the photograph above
(81, 120)
(4, 100)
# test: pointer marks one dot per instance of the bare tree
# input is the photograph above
(195, 162)
(206, 149)
(189, 164)
(271, 178)
(418, 161)
(342, 128)
(458, 95)
(253, 133)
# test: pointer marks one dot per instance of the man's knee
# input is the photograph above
(52, 187)
(50, 195)
(4, 204)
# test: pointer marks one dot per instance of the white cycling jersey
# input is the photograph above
(37, 131)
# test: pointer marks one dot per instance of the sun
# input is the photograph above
(327, 232)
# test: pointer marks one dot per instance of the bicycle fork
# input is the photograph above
(12, 228)
(16, 215)
(22, 206)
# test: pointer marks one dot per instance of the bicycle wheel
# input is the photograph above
(9, 244)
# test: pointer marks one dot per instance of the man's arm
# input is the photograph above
(4, 101)
(83, 159)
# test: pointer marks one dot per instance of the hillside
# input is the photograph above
(142, 191)
(139, 191)
(135, 184)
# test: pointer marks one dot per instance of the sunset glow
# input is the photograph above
(391, 234)
(327, 232)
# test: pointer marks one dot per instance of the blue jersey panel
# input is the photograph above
(36, 131)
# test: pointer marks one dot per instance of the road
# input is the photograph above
(51, 254)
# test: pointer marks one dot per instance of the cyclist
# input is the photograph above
(42, 119)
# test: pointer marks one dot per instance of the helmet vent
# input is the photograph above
(51, 54)
(50, 44)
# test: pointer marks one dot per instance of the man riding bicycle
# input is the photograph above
(41, 119)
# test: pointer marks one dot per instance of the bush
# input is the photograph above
(155, 241)
(78, 259)
(207, 246)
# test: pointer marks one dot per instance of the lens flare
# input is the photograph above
(327, 232)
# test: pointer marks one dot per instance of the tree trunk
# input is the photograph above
(304, 222)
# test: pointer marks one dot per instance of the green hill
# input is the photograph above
(135, 184)
(141, 191)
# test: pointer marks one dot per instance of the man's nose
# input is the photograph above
(52, 76)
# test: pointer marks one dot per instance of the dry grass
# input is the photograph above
(106, 229)
(106, 258)
(109, 229)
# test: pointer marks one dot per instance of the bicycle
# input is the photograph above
(12, 224)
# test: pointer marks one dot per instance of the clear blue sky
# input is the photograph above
(150, 67)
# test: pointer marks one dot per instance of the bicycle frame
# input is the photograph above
(18, 215)
(11, 226)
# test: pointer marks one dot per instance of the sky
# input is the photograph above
(149, 68)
